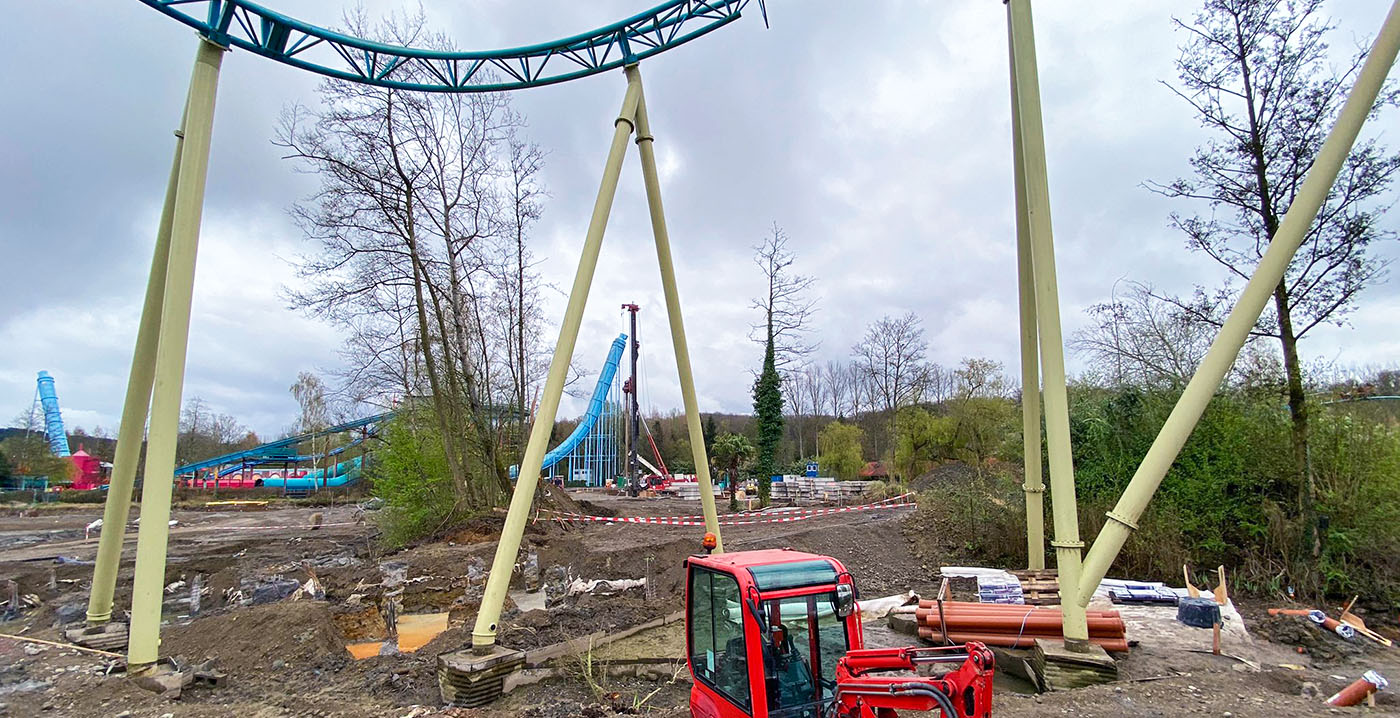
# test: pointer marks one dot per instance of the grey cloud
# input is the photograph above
(877, 134)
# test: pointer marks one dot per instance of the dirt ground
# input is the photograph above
(286, 657)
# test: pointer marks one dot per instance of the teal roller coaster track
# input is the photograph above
(246, 25)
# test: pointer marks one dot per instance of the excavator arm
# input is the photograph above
(965, 692)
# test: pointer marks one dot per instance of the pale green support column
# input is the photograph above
(148, 589)
(134, 412)
(1033, 485)
(673, 311)
(498, 581)
(1047, 302)
(1257, 293)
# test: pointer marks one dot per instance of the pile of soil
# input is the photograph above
(580, 616)
(297, 636)
(949, 472)
(872, 547)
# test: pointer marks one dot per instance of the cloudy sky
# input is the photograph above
(876, 134)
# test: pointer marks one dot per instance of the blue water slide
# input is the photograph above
(343, 473)
(284, 450)
(595, 404)
(53, 420)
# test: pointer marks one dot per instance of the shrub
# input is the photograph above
(410, 473)
(94, 496)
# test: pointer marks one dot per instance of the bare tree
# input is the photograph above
(891, 358)
(1141, 340)
(519, 284)
(836, 387)
(1257, 74)
(310, 394)
(980, 379)
(795, 402)
(939, 383)
(786, 304)
(859, 385)
(407, 222)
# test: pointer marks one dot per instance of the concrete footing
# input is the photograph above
(1057, 667)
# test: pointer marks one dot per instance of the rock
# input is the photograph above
(274, 590)
(70, 612)
(168, 685)
(530, 571)
(33, 650)
(903, 623)
(1309, 690)
(279, 664)
(124, 714)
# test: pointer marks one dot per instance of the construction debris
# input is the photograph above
(1359, 625)
(1362, 688)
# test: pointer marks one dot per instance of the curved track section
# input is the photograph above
(246, 25)
(595, 405)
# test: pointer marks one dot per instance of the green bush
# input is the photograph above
(979, 520)
(95, 496)
(24, 496)
(1357, 465)
(410, 473)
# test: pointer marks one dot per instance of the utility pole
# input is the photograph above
(633, 413)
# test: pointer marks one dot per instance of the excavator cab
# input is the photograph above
(777, 633)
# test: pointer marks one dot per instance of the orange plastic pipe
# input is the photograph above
(1027, 623)
(999, 609)
(1117, 645)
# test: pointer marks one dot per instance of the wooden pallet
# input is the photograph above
(1039, 588)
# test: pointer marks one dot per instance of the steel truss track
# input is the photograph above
(245, 25)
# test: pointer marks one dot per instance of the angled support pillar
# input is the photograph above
(1034, 484)
(673, 310)
(498, 581)
(1257, 292)
(135, 409)
(169, 373)
(1032, 169)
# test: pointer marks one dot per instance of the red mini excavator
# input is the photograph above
(777, 634)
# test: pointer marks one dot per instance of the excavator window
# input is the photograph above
(718, 655)
(800, 652)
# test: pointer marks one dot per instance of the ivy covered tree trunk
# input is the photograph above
(768, 410)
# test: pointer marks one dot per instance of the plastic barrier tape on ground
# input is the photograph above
(668, 521)
(789, 510)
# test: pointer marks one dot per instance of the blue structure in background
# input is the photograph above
(591, 453)
(53, 420)
(285, 452)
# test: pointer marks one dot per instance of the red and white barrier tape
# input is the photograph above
(667, 521)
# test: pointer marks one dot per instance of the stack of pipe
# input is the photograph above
(1013, 626)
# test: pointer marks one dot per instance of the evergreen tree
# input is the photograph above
(768, 411)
